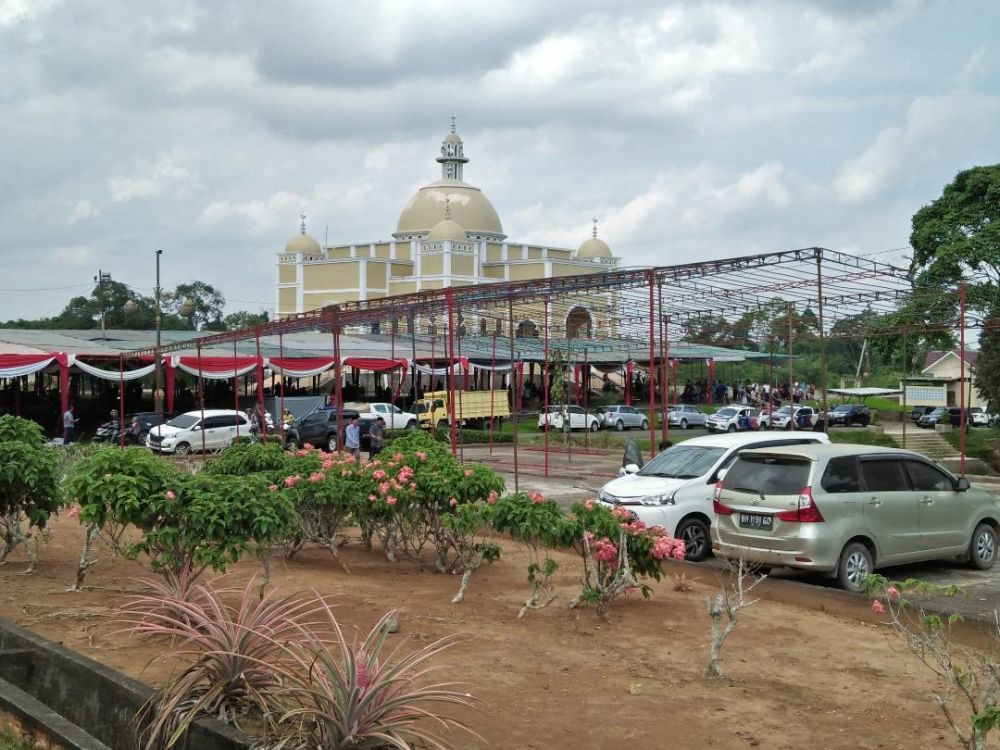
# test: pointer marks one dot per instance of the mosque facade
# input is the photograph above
(448, 234)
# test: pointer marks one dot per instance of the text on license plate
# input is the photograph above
(755, 521)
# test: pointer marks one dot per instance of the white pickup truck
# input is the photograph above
(395, 418)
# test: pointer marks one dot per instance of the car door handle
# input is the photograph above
(875, 501)
(927, 501)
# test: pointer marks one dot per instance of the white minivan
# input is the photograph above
(674, 490)
(212, 429)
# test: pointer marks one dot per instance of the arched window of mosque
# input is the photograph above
(579, 324)
(483, 327)
(526, 329)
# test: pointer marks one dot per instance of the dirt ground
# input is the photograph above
(807, 668)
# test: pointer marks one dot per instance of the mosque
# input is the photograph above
(448, 234)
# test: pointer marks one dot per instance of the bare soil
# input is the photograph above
(807, 668)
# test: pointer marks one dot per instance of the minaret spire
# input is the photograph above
(302, 225)
(595, 220)
(452, 155)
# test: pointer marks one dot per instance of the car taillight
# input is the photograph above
(806, 512)
(717, 505)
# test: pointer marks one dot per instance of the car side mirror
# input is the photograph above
(631, 468)
(962, 484)
(721, 474)
(196, 428)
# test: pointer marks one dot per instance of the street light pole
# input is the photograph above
(157, 368)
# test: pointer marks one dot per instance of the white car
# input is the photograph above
(674, 490)
(212, 429)
(578, 419)
(979, 417)
(806, 418)
(732, 419)
(684, 416)
(395, 418)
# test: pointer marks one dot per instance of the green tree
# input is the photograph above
(987, 375)
(244, 319)
(208, 305)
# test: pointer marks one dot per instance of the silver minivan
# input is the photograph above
(845, 510)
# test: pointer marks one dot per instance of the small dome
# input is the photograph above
(452, 137)
(594, 248)
(447, 229)
(302, 243)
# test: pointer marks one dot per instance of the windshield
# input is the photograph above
(683, 462)
(726, 413)
(184, 421)
(843, 407)
(784, 410)
(940, 410)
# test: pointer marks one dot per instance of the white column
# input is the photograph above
(299, 282)
(363, 279)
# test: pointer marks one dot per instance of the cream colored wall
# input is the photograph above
(402, 287)
(343, 275)
(401, 269)
(377, 274)
(403, 251)
(313, 300)
(525, 271)
(534, 253)
(382, 250)
(566, 269)
(462, 265)
(286, 273)
(560, 254)
(341, 251)
(494, 252)
(432, 265)
(286, 300)
(493, 272)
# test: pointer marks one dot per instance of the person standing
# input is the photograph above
(69, 425)
(352, 437)
(376, 438)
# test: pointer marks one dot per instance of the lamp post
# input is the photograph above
(157, 368)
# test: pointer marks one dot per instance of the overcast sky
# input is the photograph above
(693, 130)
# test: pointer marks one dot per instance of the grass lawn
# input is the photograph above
(862, 437)
(9, 742)
(978, 440)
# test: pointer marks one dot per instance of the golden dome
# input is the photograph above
(469, 208)
(447, 229)
(302, 243)
(594, 247)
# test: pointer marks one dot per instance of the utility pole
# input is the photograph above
(101, 279)
(157, 366)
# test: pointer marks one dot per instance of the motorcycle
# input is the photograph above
(108, 432)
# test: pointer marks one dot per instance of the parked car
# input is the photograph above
(733, 418)
(979, 417)
(848, 414)
(140, 423)
(847, 510)
(212, 429)
(674, 490)
(684, 416)
(578, 419)
(805, 418)
(919, 411)
(938, 415)
(622, 417)
(320, 429)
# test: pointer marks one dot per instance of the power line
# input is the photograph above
(47, 289)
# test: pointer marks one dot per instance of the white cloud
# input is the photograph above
(83, 210)
(163, 175)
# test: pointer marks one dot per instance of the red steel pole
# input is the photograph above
(652, 359)
(666, 380)
(339, 385)
(449, 297)
(201, 398)
(260, 383)
(513, 387)
(961, 378)
(236, 389)
(281, 385)
(121, 400)
(493, 387)
(545, 383)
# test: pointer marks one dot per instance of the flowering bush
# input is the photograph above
(617, 552)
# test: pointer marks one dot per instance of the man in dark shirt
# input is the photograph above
(376, 438)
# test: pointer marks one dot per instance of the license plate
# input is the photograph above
(756, 521)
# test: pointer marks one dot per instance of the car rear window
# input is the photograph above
(768, 475)
(841, 475)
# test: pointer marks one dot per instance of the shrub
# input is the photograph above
(243, 458)
(29, 484)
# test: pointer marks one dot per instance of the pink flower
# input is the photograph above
(605, 550)
(468, 473)
(892, 592)
(378, 474)
(307, 447)
(589, 505)
(301, 452)
(493, 497)
(383, 489)
(391, 500)
(536, 497)
(453, 502)
(328, 463)
(372, 498)
(877, 607)
(292, 480)
(74, 512)
(422, 455)
(413, 486)
(170, 495)
(398, 456)
(273, 487)
(317, 476)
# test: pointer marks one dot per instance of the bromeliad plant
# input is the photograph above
(235, 654)
(29, 485)
(617, 552)
(349, 694)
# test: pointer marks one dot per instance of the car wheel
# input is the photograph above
(684, 424)
(619, 426)
(731, 428)
(182, 449)
(411, 425)
(594, 426)
(854, 567)
(983, 547)
(645, 425)
(443, 424)
(331, 443)
(291, 444)
(694, 532)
